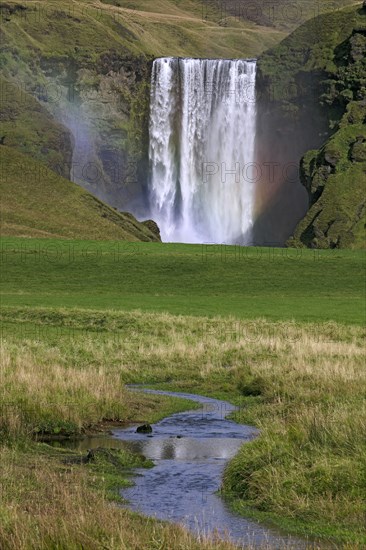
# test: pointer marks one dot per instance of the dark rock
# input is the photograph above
(153, 226)
(89, 457)
(144, 429)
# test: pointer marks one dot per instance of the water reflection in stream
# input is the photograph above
(190, 451)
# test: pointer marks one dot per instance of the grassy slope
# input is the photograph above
(35, 201)
(167, 29)
(279, 13)
(310, 48)
(162, 28)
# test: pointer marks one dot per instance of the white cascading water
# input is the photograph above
(201, 149)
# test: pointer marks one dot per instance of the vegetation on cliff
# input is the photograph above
(319, 73)
(88, 64)
(276, 331)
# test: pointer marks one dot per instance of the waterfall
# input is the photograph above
(202, 149)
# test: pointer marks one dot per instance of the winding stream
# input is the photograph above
(191, 450)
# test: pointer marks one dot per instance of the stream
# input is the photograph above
(190, 451)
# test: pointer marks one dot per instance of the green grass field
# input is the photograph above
(271, 283)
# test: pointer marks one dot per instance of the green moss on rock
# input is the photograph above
(318, 74)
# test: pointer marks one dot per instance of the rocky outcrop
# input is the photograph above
(153, 227)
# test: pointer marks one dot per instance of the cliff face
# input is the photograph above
(105, 106)
(335, 175)
(312, 105)
(27, 126)
(75, 95)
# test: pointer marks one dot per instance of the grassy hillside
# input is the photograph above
(317, 80)
(86, 29)
(35, 201)
(318, 45)
(162, 28)
(185, 279)
(279, 14)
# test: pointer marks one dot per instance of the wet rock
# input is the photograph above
(144, 429)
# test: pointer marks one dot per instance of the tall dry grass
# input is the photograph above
(46, 506)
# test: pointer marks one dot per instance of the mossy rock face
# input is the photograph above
(315, 82)
(83, 71)
(336, 218)
(99, 107)
(153, 227)
(358, 150)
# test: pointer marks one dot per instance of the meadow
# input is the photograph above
(278, 332)
(273, 283)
